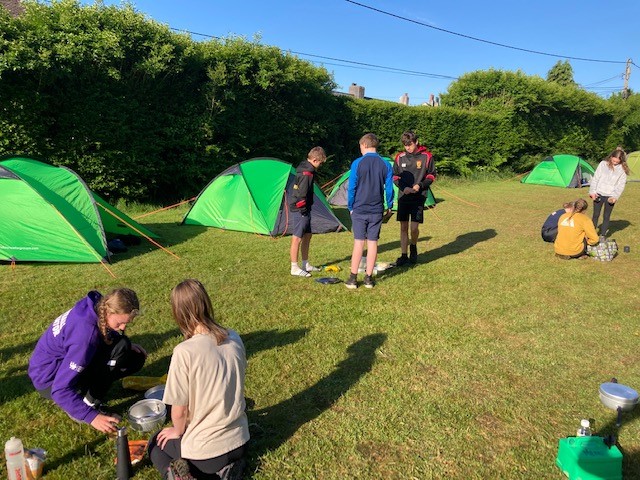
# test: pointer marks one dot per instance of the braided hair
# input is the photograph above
(120, 300)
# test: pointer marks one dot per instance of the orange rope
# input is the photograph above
(330, 182)
(138, 231)
(434, 212)
(91, 249)
(517, 176)
(458, 198)
(164, 208)
(286, 213)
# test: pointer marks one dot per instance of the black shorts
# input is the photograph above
(301, 224)
(413, 211)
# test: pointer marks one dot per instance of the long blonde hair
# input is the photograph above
(191, 307)
(118, 301)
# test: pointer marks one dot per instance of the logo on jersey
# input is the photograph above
(75, 367)
(418, 164)
(58, 323)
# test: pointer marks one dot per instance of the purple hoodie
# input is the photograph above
(63, 352)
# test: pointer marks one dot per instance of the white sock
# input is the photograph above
(294, 266)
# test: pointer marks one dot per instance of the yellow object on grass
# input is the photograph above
(332, 268)
(142, 383)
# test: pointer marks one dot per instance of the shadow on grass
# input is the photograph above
(79, 452)
(630, 455)
(15, 386)
(617, 226)
(382, 248)
(273, 426)
(260, 340)
(460, 244)
(9, 352)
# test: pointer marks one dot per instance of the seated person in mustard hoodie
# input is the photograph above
(575, 231)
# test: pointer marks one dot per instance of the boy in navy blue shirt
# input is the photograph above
(370, 177)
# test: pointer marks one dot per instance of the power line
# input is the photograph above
(615, 77)
(480, 39)
(352, 62)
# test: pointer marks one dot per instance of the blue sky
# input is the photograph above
(343, 30)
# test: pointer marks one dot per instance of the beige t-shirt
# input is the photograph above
(209, 380)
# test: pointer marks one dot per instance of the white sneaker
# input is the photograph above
(298, 272)
(310, 268)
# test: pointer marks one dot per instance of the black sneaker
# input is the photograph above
(369, 282)
(402, 260)
(233, 471)
(179, 470)
(352, 282)
(413, 253)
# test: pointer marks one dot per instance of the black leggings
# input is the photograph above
(201, 469)
(597, 206)
(110, 363)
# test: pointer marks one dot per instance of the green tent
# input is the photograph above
(47, 214)
(252, 196)
(566, 171)
(633, 160)
(339, 193)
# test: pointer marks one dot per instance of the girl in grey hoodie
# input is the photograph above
(607, 185)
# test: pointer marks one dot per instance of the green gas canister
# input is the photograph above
(589, 458)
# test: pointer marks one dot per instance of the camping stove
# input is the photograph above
(591, 456)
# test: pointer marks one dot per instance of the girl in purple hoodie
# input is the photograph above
(83, 352)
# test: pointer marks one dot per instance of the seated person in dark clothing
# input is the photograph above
(550, 227)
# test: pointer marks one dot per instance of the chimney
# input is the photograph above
(404, 99)
(432, 101)
(14, 7)
(356, 90)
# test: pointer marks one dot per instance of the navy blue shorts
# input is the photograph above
(366, 226)
(410, 211)
(301, 224)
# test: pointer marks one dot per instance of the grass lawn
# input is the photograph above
(470, 365)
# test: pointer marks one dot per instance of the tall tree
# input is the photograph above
(561, 73)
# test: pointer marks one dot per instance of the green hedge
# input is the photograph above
(143, 113)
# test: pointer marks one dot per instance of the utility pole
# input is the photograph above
(627, 74)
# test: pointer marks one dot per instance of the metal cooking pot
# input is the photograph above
(156, 392)
(147, 415)
(618, 397)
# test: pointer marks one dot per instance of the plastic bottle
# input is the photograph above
(585, 428)
(14, 452)
(123, 468)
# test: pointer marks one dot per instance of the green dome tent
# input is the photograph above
(566, 171)
(47, 214)
(339, 193)
(252, 196)
(633, 160)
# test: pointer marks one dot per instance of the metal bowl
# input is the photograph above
(156, 392)
(617, 396)
(147, 415)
